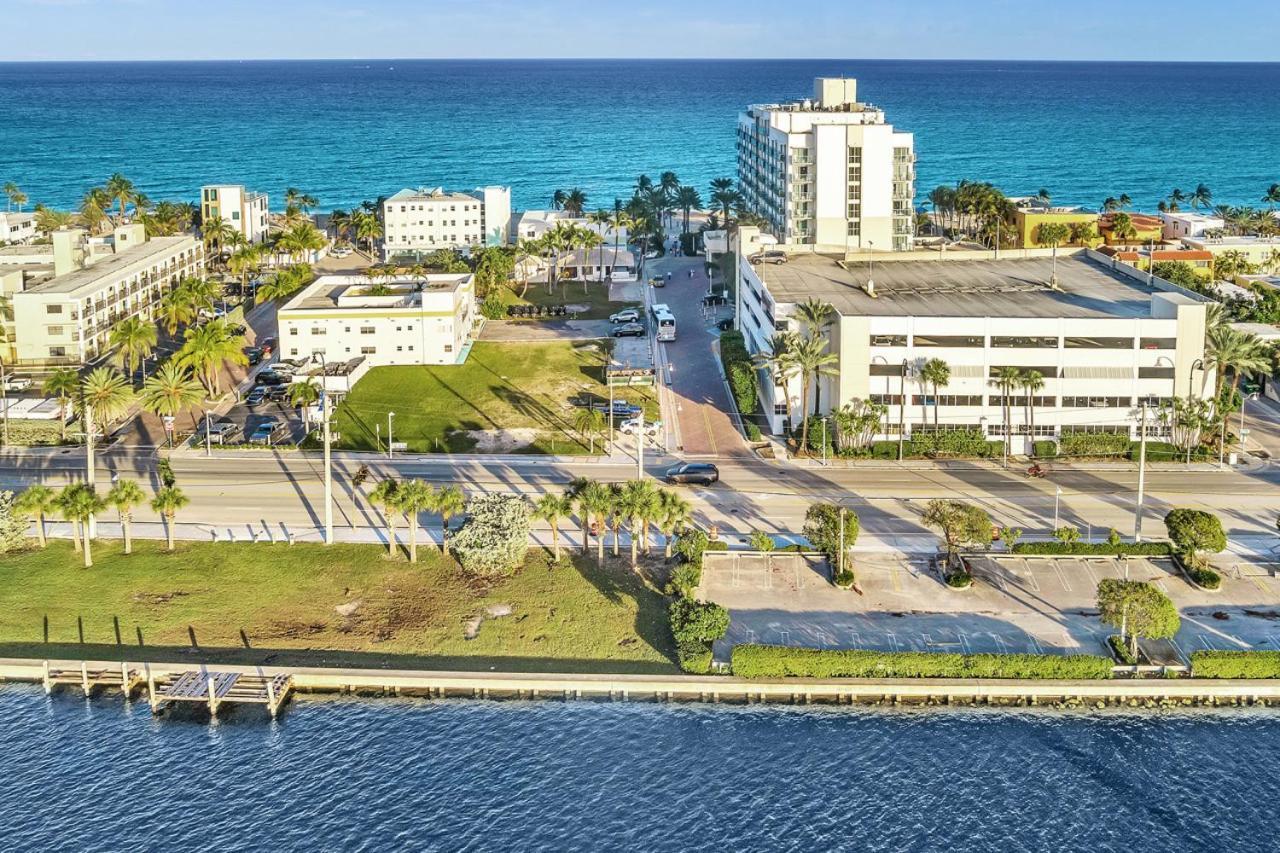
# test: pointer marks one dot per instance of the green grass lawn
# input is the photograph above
(275, 604)
(596, 298)
(501, 386)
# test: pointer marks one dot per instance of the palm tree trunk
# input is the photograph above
(391, 535)
(125, 523)
(444, 535)
(88, 554)
(75, 535)
(413, 537)
(804, 408)
(168, 530)
(635, 541)
(40, 530)
(600, 543)
(555, 541)
(586, 535)
(617, 532)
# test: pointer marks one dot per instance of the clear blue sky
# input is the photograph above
(866, 29)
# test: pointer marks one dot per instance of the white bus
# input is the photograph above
(666, 326)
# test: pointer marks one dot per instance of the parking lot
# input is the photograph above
(1016, 604)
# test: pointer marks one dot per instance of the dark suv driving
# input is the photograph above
(699, 473)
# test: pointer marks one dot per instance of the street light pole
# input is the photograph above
(902, 409)
(1142, 476)
(208, 446)
(391, 454)
(640, 446)
(328, 451)
(1057, 496)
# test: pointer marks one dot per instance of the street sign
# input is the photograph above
(168, 423)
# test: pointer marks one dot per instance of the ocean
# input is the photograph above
(347, 131)
(339, 774)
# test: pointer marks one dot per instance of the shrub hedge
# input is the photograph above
(1163, 451)
(761, 661)
(1044, 449)
(1128, 549)
(1209, 664)
(740, 371)
(1094, 444)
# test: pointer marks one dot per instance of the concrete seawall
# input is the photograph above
(692, 688)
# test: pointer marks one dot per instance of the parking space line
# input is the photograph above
(784, 637)
(964, 642)
(1262, 588)
(893, 574)
(893, 641)
(1088, 570)
(999, 642)
(1204, 642)
(1035, 644)
(1062, 576)
(1030, 576)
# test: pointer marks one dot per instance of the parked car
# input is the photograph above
(256, 396)
(629, 330)
(270, 377)
(658, 281)
(268, 346)
(621, 409)
(341, 251)
(632, 425)
(254, 354)
(626, 315)
(278, 393)
(699, 473)
(221, 431)
(266, 432)
(773, 256)
(725, 325)
(284, 368)
(587, 401)
(16, 383)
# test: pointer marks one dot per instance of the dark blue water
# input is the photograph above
(382, 775)
(353, 130)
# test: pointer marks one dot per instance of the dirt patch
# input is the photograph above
(157, 597)
(502, 440)
(291, 630)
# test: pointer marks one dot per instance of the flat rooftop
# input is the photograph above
(942, 288)
(115, 267)
(347, 291)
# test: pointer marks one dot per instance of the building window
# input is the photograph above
(1024, 342)
(57, 352)
(1096, 402)
(948, 340)
(53, 309)
(887, 399)
(888, 340)
(319, 330)
(886, 370)
(1155, 372)
(947, 399)
(293, 330)
(1157, 343)
(1045, 372)
(448, 347)
(780, 408)
(1098, 343)
(55, 331)
(368, 350)
(1095, 429)
(367, 330)
(293, 351)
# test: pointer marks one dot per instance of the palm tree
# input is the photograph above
(48, 219)
(632, 505)
(124, 496)
(387, 496)
(414, 497)
(38, 501)
(10, 188)
(175, 309)
(617, 513)
(93, 209)
(215, 231)
(1053, 234)
(62, 384)
(589, 423)
(245, 261)
(206, 348)
(367, 228)
(1110, 204)
(284, 283)
(722, 195)
(643, 184)
(1032, 383)
(1176, 197)
(816, 316)
(557, 199)
(449, 501)
(812, 362)
(688, 199)
(937, 373)
(1122, 227)
(78, 504)
(166, 503)
(674, 513)
(171, 391)
(134, 339)
(551, 508)
(601, 219)
(575, 201)
(120, 189)
(1242, 352)
(1125, 201)
(1006, 379)
(594, 502)
(1202, 196)
(104, 396)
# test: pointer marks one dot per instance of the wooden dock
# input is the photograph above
(214, 689)
(90, 678)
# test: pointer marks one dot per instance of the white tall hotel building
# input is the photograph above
(244, 210)
(828, 172)
(417, 222)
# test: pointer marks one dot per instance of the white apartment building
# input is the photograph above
(533, 224)
(1262, 251)
(17, 227)
(417, 222)
(66, 319)
(402, 320)
(243, 210)
(829, 172)
(1103, 342)
(1188, 223)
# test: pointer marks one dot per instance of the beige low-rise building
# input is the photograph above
(403, 319)
(65, 319)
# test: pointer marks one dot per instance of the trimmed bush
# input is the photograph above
(33, 433)
(740, 371)
(695, 625)
(761, 661)
(1210, 664)
(845, 579)
(822, 529)
(494, 539)
(718, 545)
(1194, 530)
(753, 431)
(884, 450)
(1044, 449)
(1121, 650)
(1128, 549)
(959, 580)
(1203, 577)
(1094, 444)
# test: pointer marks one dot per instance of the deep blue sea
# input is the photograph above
(352, 130)
(453, 775)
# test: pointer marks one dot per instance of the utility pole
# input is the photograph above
(208, 445)
(4, 402)
(640, 446)
(328, 470)
(902, 408)
(840, 559)
(390, 438)
(1142, 477)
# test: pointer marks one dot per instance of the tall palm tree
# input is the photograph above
(1006, 379)
(557, 199)
(207, 348)
(244, 262)
(78, 504)
(1242, 352)
(552, 508)
(367, 228)
(1054, 234)
(586, 240)
(215, 231)
(1176, 197)
(386, 495)
(38, 501)
(93, 209)
(414, 497)
(134, 339)
(575, 201)
(1110, 204)
(449, 502)
(300, 240)
(1032, 383)
(812, 361)
(63, 385)
(171, 391)
(643, 184)
(816, 316)
(1201, 196)
(303, 395)
(937, 373)
(175, 309)
(600, 219)
(9, 189)
(594, 502)
(166, 504)
(688, 199)
(633, 505)
(48, 219)
(1125, 201)
(104, 396)
(617, 514)
(722, 195)
(124, 496)
(589, 423)
(674, 513)
(284, 283)
(121, 190)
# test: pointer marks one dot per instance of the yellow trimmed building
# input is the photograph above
(1028, 224)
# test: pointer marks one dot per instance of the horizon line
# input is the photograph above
(648, 59)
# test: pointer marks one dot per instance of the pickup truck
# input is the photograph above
(16, 383)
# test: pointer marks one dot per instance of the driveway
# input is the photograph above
(691, 367)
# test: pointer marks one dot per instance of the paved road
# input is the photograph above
(701, 398)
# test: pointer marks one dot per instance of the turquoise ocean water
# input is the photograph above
(352, 130)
